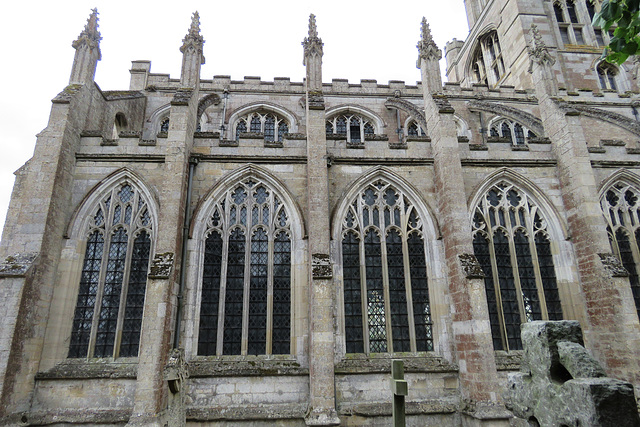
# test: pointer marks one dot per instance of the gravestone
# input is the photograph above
(562, 385)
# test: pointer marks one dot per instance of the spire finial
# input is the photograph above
(426, 46)
(90, 36)
(312, 44)
(538, 53)
(193, 37)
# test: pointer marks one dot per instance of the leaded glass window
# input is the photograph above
(164, 125)
(512, 244)
(488, 56)
(246, 277)
(414, 129)
(354, 127)
(386, 294)
(607, 75)
(271, 125)
(110, 304)
(622, 213)
(511, 131)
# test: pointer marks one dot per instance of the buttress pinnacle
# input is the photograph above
(193, 38)
(312, 44)
(426, 46)
(90, 36)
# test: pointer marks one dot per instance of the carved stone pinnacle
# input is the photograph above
(538, 52)
(90, 36)
(312, 44)
(193, 38)
(426, 46)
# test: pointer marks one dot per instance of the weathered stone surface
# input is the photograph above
(577, 360)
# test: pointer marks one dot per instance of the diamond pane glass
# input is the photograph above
(548, 276)
(510, 310)
(397, 293)
(269, 128)
(375, 293)
(420, 293)
(352, 293)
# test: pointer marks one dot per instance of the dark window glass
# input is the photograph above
(517, 129)
(397, 293)
(506, 131)
(591, 8)
(256, 126)
(354, 130)
(532, 310)
(482, 252)
(564, 34)
(241, 128)
(208, 332)
(164, 126)
(329, 128)
(375, 293)
(578, 34)
(571, 8)
(548, 276)
(281, 294)
(341, 125)
(510, 310)
(233, 306)
(135, 296)
(626, 255)
(412, 130)
(108, 318)
(283, 129)
(89, 282)
(352, 293)
(558, 11)
(269, 128)
(420, 293)
(368, 129)
(258, 293)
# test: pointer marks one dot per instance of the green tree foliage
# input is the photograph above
(624, 15)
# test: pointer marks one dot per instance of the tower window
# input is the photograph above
(488, 56)
(607, 76)
(511, 242)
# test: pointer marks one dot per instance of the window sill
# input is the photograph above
(243, 366)
(381, 363)
(124, 368)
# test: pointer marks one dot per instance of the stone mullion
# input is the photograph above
(496, 288)
(248, 239)
(224, 234)
(386, 292)
(124, 289)
(363, 295)
(407, 282)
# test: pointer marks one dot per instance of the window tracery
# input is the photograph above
(512, 244)
(108, 313)
(514, 132)
(354, 127)
(271, 125)
(414, 129)
(246, 282)
(622, 213)
(487, 64)
(607, 73)
(386, 294)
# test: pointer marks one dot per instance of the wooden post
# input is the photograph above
(399, 389)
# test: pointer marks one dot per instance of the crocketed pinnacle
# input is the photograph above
(193, 37)
(312, 44)
(90, 36)
(538, 53)
(426, 46)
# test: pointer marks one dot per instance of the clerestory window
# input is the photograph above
(108, 313)
(272, 126)
(353, 127)
(414, 129)
(621, 209)
(164, 125)
(386, 294)
(511, 242)
(246, 279)
(512, 131)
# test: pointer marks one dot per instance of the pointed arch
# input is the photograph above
(425, 210)
(377, 121)
(290, 117)
(247, 237)
(414, 112)
(82, 215)
(558, 226)
(623, 175)
(382, 224)
(529, 120)
(207, 101)
(226, 182)
(156, 118)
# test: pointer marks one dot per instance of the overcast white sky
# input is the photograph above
(362, 40)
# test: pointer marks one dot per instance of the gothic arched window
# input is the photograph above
(511, 242)
(164, 125)
(622, 212)
(607, 75)
(487, 64)
(386, 295)
(246, 279)
(354, 127)
(414, 129)
(569, 23)
(108, 314)
(263, 122)
(511, 131)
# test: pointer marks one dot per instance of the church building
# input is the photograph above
(205, 251)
